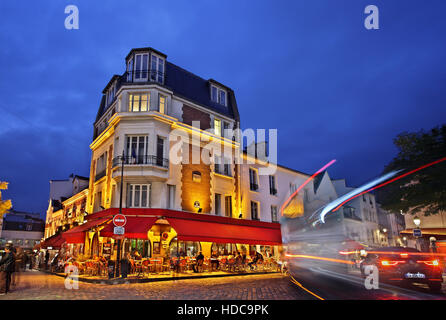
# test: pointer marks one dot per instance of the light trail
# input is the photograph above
(302, 287)
(338, 202)
(318, 258)
(390, 181)
(304, 184)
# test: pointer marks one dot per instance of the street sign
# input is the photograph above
(119, 220)
(118, 230)
(417, 232)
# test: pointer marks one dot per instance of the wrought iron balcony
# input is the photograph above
(141, 160)
(141, 76)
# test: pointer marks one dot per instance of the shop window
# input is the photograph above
(223, 249)
(184, 248)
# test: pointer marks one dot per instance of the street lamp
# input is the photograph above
(417, 221)
(384, 230)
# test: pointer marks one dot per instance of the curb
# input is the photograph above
(145, 280)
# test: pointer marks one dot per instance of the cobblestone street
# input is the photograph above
(41, 286)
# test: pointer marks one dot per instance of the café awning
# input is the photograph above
(77, 234)
(135, 228)
(54, 242)
(194, 227)
(231, 232)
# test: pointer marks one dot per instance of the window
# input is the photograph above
(162, 104)
(222, 97)
(253, 180)
(228, 206)
(136, 149)
(217, 127)
(170, 196)
(138, 195)
(157, 69)
(272, 185)
(141, 67)
(159, 151)
(292, 188)
(139, 102)
(227, 168)
(254, 210)
(218, 95)
(130, 70)
(217, 204)
(274, 214)
(217, 163)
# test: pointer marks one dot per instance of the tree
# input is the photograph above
(5, 205)
(425, 190)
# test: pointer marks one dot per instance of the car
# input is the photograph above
(405, 266)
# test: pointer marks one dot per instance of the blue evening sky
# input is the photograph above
(333, 89)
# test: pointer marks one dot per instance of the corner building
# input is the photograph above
(152, 121)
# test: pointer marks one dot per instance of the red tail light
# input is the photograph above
(433, 263)
(391, 263)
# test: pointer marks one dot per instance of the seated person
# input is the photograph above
(214, 260)
(257, 258)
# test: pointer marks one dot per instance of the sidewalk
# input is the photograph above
(167, 276)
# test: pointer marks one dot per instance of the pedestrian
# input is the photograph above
(47, 258)
(6, 268)
(18, 255)
(199, 262)
(125, 265)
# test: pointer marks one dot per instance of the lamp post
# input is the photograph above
(417, 222)
(118, 254)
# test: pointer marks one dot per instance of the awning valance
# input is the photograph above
(77, 234)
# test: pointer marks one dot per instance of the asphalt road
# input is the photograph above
(322, 283)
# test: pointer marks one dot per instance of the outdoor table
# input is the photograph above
(156, 260)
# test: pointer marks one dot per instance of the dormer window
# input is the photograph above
(218, 95)
(157, 69)
(111, 94)
(141, 67)
(144, 65)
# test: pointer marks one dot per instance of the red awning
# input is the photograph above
(77, 234)
(135, 228)
(55, 241)
(194, 227)
(209, 231)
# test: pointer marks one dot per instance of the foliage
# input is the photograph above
(425, 190)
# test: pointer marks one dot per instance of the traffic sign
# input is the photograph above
(417, 232)
(119, 220)
(118, 230)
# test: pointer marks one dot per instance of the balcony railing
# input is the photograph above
(141, 76)
(141, 160)
(99, 175)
